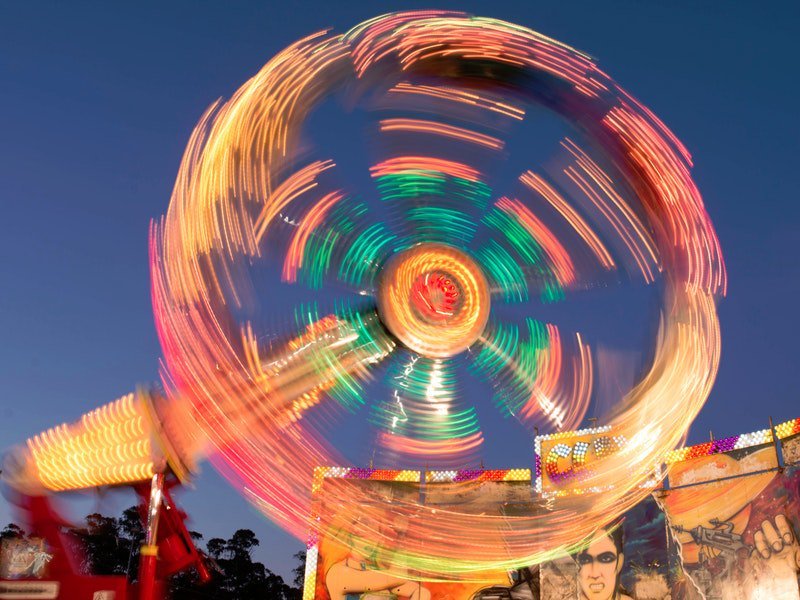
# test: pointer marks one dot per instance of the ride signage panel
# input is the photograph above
(563, 459)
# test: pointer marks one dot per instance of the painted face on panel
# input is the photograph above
(598, 569)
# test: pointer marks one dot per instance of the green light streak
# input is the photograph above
(317, 259)
(511, 365)
(411, 184)
(504, 272)
(318, 253)
(362, 258)
(357, 335)
(442, 225)
(529, 250)
(475, 192)
(419, 183)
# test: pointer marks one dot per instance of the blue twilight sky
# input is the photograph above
(97, 102)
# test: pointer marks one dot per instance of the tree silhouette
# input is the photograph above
(130, 524)
(242, 542)
(216, 547)
(107, 548)
(12, 531)
(299, 571)
(235, 574)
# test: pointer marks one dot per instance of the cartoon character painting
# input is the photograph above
(600, 565)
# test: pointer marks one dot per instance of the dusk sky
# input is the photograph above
(98, 101)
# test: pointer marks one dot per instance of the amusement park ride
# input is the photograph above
(405, 287)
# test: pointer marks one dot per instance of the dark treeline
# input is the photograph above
(111, 547)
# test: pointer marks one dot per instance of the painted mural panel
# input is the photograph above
(23, 558)
(625, 560)
(725, 529)
(737, 535)
(713, 467)
(791, 450)
(346, 569)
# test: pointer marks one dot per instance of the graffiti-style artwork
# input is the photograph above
(23, 558)
(646, 571)
(791, 450)
(509, 496)
(600, 566)
(625, 560)
(735, 521)
(725, 527)
(559, 579)
(348, 568)
(354, 570)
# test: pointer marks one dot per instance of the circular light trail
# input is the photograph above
(445, 87)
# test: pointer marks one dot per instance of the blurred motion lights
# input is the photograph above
(413, 279)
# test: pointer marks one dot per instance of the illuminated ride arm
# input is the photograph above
(144, 433)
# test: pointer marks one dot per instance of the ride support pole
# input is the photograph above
(148, 554)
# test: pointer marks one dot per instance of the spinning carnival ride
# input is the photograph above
(405, 280)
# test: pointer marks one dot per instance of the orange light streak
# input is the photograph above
(558, 255)
(461, 96)
(311, 220)
(419, 41)
(625, 222)
(423, 165)
(440, 450)
(434, 128)
(108, 446)
(296, 185)
(241, 170)
(684, 219)
(546, 191)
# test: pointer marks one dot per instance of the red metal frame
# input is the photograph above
(169, 551)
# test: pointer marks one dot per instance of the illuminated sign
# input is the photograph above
(563, 458)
